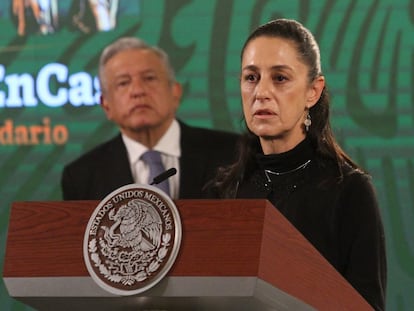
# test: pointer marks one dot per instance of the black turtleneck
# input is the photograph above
(339, 216)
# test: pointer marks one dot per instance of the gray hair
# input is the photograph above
(131, 43)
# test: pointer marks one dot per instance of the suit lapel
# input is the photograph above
(192, 163)
(115, 165)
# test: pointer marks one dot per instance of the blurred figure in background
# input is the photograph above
(103, 13)
(43, 14)
(141, 95)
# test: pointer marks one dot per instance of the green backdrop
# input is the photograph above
(48, 87)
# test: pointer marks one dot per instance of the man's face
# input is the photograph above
(138, 94)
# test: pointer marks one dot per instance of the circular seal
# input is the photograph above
(132, 239)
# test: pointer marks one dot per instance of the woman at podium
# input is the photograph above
(289, 156)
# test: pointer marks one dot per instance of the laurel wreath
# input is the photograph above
(129, 280)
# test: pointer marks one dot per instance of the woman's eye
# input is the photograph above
(279, 78)
(250, 78)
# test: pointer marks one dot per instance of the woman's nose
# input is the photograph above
(263, 89)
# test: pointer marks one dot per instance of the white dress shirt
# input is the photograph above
(170, 149)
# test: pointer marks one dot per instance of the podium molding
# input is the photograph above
(238, 254)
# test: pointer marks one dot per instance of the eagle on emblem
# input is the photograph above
(137, 225)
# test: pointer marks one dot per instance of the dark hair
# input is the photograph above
(320, 132)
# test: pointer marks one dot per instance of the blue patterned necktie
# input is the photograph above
(153, 159)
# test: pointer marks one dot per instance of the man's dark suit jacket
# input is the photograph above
(106, 167)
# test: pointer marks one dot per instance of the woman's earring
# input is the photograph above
(307, 122)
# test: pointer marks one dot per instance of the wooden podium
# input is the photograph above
(234, 255)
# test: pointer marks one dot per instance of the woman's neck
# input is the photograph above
(272, 145)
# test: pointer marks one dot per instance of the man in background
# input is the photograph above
(141, 95)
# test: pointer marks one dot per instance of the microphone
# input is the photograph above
(163, 176)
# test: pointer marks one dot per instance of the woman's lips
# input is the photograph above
(264, 113)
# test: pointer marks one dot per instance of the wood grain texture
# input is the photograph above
(219, 238)
(46, 238)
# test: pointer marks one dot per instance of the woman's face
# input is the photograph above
(276, 92)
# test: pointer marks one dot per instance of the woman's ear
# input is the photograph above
(315, 91)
